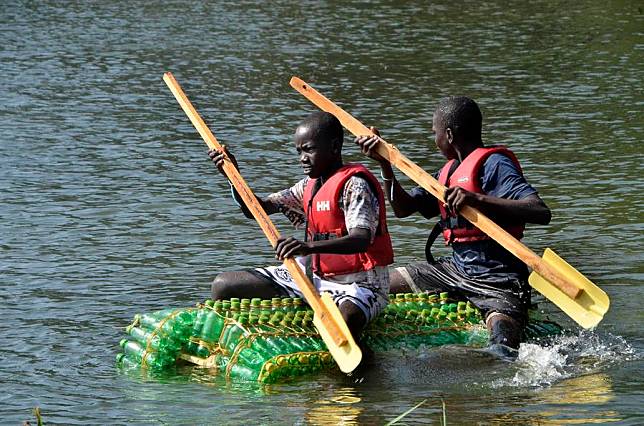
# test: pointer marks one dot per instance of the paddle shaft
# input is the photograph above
(427, 181)
(308, 290)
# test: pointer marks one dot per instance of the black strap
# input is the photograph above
(436, 231)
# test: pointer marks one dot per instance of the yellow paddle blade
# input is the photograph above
(588, 309)
(348, 355)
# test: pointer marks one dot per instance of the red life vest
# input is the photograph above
(325, 220)
(466, 175)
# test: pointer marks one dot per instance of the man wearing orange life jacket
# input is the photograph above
(346, 248)
(491, 180)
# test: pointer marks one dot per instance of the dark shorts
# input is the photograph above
(510, 296)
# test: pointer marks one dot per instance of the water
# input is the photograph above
(109, 207)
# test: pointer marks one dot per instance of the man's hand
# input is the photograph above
(368, 145)
(456, 198)
(290, 247)
(217, 157)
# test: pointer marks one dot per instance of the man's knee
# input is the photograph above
(354, 317)
(504, 330)
(223, 286)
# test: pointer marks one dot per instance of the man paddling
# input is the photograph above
(489, 179)
(346, 248)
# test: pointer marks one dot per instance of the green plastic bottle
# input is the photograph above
(276, 304)
(265, 307)
(293, 338)
(264, 344)
(152, 359)
(298, 304)
(212, 327)
(399, 301)
(243, 372)
(152, 340)
(410, 300)
(255, 306)
(235, 334)
(423, 301)
(287, 304)
(197, 329)
(251, 357)
(124, 362)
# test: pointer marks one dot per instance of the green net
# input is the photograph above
(271, 340)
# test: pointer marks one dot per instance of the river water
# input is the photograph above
(109, 207)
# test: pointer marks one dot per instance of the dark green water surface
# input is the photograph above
(109, 207)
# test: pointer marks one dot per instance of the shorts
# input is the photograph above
(368, 290)
(510, 296)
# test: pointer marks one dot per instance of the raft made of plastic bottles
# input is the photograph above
(268, 341)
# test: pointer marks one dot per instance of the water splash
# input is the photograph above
(566, 356)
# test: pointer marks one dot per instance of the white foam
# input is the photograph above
(565, 356)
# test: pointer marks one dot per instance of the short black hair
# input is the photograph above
(324, 126)
(462, 115)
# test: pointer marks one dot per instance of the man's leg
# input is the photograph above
(503, 303)
(399, 281)
(504, 330)
(354, 317)
(243, 284)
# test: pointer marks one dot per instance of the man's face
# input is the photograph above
(315, 156)
(441, 137)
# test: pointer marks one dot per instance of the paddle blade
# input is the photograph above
(588, 309)
(348, 355)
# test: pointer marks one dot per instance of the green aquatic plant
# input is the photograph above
(400, 417)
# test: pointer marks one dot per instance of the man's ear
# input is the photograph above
(450, 135)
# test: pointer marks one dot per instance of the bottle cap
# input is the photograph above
(255, 301)
(123, 342)
(209, 302)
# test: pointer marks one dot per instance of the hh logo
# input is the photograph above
(463, 179)
(323, 206)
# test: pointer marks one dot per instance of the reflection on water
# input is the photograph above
(109, 207)
(591, 389)
(343, 408)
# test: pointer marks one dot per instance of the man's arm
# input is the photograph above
(507, 198)
(217, 157)
(361, 211)
(531, 209)
(356, 241)
(402, 203)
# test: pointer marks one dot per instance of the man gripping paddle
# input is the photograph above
(489, 179)
(346, 248)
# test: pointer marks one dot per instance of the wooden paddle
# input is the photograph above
(562, 284)
(327, 318)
